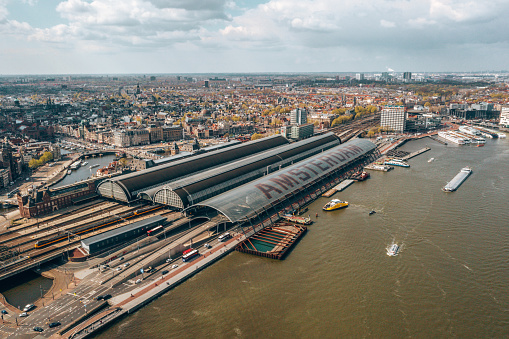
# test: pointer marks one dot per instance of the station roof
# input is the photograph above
(124, 187)
(221, 174)
(252, 197)
(155, 220)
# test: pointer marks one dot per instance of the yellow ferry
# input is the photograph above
(335, 204)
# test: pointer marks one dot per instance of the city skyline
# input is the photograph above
(221, 36)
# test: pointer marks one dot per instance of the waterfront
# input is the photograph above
(450, 278)
(84, 172)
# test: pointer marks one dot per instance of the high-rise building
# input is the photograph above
(394, 117)
(407, 76)
(504, 116)
(298, 116)
(359, 76)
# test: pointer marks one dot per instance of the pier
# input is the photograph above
(416, 153)
(344, 184)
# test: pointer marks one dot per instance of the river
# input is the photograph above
(450, 278)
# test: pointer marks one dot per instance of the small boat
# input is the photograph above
(335, 204)
(69, 172)
(431, 160)
(85, 163)
(479, 145)
(297, 220)
(94, 165)
(393, 250)
(372, 212)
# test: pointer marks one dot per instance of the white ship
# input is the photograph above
(393, 250)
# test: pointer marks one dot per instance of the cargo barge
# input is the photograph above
(457, 180)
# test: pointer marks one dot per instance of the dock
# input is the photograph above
(416, 153)
(272, 242)
(338, 188)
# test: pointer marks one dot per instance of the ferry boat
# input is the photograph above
(76, 165)
(457, 180)
(335, 204)
(396, 162)
(393, 250)
(297, 220)
(431, 160)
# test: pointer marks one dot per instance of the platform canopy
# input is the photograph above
(239, 203)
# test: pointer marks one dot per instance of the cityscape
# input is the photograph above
(227, 169)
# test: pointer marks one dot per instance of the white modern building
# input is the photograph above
(504, 116)
(394, 117)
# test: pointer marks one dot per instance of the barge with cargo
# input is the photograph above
(457, 180)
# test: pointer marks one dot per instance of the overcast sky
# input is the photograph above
(201, 36)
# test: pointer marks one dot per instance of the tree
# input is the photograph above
(256, 136)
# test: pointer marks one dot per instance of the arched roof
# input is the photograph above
(134, 182)
(240, 202)
(187, 186)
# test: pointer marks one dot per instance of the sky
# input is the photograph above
(229, 36)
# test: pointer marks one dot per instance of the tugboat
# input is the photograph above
(335, 204)
(360, 176)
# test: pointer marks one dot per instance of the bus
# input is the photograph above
(224, 237)
(155, 230)
(190, 255)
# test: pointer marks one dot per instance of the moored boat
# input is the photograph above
(297, 220)
(335, 204)
(396, 162)
(431, 160)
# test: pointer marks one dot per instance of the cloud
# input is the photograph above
(387, 24)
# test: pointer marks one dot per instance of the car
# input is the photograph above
(126, 264)
(174, 266)
(4, 312)
(138, 281)
(38, 329)
(99, 297)
(164, 272)
(54, 324)
(27, 179)
(119, 268)
(28, 307)
(168, 260)
(24, 314)
(207, 246)
(107, 296)
(121, 258)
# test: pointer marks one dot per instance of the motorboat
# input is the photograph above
(431, 160)
(372, 212)
(335, 204)
(393, 250)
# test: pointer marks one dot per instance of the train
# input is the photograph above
(94, 226)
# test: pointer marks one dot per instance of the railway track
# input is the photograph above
(42, 221)
(53, 229)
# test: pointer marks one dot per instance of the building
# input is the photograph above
(131, 137)
(394, 118)
(298, 116)
(474, 111)
(298, 132)
(266, 198)
(115, 237)
(359, 76)
(43, 201)
(407, 76)
(504, 116)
